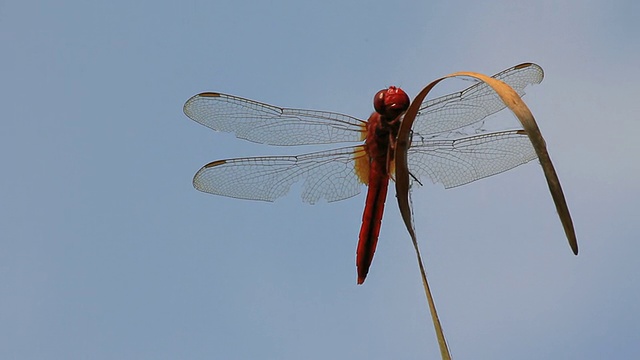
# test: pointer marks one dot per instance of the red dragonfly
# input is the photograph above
(448, 146)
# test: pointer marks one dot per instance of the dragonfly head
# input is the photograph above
(391, 102)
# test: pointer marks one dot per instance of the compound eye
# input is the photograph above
(378, 102)
(391, 102)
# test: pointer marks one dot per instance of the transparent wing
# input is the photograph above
(329, 175)
(461, 161)
(267, 124)
(473, 104)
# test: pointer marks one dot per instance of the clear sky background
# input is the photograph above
(107, 252)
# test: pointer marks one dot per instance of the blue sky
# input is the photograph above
(107, 252)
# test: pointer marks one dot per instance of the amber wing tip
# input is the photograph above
(209, 94)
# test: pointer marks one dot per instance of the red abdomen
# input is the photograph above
(372, 218)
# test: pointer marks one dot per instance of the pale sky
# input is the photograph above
(107, 251)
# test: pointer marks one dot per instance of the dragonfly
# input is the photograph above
(449, 145)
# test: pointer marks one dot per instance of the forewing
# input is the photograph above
(474, 103)
(267, 124)
(461, 161)
(329, 175)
